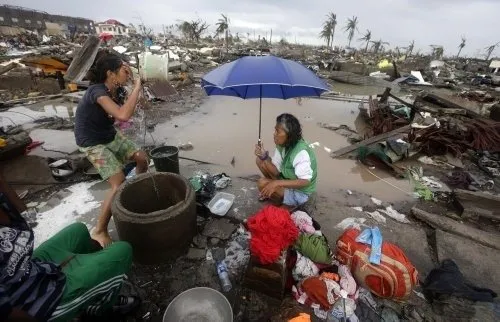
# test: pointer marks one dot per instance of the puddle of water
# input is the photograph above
(26, 115)
(225, 128)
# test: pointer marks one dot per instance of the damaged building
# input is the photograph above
(16, 20)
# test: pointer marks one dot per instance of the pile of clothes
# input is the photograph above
(316, 279)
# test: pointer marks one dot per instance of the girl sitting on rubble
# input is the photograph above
(96, 136)
(290, 175)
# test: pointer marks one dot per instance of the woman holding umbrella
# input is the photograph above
(290, 175)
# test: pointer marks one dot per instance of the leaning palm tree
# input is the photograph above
(378, 45)
(461, 46)
(351, 28)
(223, 28)
(367, 38)
(332, 19)
(490, 49)
(326, 32)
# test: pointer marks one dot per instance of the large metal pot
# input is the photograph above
(199, 304)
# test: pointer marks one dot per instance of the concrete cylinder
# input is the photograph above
(159, 224)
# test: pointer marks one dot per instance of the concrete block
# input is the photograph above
(478, 263)
(55, 140)
(219, 228)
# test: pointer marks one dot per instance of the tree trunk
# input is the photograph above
(333, 35)
(366, 48)
(227, 44)
(459, 52)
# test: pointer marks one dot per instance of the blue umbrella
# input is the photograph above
(263, 77)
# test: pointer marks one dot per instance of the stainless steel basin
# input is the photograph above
(199, 304)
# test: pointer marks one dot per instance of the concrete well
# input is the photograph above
(158, 226)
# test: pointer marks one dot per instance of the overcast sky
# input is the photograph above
(440, 22)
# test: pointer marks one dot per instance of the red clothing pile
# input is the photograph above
(272, 231)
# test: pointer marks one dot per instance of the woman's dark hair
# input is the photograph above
(99, 72)
(292, 127)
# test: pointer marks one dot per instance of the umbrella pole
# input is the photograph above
(260, 115)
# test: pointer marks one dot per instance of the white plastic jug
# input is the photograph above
(153, 67)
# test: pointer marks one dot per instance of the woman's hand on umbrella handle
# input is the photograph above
(259, 150)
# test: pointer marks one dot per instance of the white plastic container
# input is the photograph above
(153, 67)
(221, 203)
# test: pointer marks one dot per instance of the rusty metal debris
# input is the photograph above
(456, 138)
(382, 118)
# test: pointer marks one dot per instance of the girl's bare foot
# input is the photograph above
(102, 238)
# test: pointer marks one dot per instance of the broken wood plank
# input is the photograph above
(385, 96)
(27, 99)
(83, 60)
(474, 203)
(375, 139)
(4, 69)
(442, 110)
(451, 102)
(449, 225)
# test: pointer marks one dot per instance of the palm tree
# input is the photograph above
(437, 51)
(326, 32)
(410, 48)
(351, 27)
(378, 45)
(367, 38)
(223, 28)
(490, 49)
(332, 18)
(186, 30)
(461, 46)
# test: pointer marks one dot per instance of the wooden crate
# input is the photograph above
(267, 279)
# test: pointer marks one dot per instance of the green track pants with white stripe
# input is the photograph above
(93, 279)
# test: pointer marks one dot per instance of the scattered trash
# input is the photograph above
(377, 216)
(376, 201)
(351, 223)
(394, 214)
(221, 203)
(186, 147)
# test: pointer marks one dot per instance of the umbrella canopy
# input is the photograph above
(263, 77)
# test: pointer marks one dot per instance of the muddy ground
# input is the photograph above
(222, 130)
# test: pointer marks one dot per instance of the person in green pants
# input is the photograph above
(67, 276)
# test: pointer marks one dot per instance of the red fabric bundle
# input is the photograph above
(272, 230)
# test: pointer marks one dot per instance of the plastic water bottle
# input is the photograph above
(224, 276)
(131, 174)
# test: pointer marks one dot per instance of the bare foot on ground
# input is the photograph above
(102, 238)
